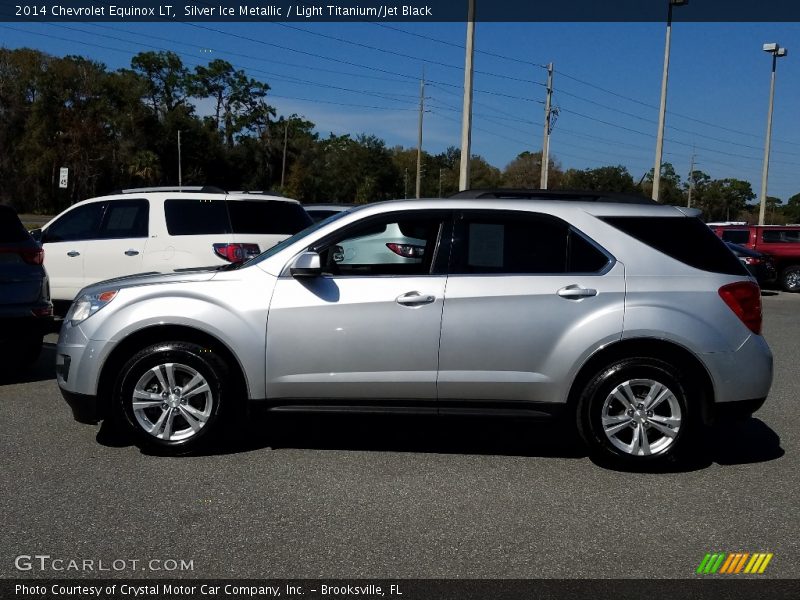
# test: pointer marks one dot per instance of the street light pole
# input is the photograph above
(466, 113)
(777, 52)
(662, 113)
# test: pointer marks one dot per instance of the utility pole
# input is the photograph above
(419, 132)
(405, 184)
(545, 168)
(691, 181)
(466, 113)
(777, 52)
(440, 182)
(662, 113)
(285, 143)
(180, 169)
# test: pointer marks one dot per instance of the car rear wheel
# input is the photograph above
(635, 411)
(790, 279)
(173, 396)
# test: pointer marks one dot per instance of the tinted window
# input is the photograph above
(82, 223)
(11, 230)
(318, 214)
(523, 244)
(391, 246)
(737, 236)
(786, 236)
(126, 219)
(267, 216)
(685, 239)
(196, 217)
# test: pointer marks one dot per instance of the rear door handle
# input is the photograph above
(576, 292)
(131, 252)
(415, 299)
(73, 253)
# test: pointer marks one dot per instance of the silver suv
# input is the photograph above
(633, 320)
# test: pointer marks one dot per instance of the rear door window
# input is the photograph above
(736, 236)
(188, 216)
(522, 243)
(126, 219)
(267, 217)
(781, 236)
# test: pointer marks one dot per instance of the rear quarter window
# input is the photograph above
(11, 230)
(196, 217)
(686, 239)
(267, 217)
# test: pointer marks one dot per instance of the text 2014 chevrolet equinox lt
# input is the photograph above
(634, 320)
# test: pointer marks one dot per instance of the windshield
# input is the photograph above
(290, 240)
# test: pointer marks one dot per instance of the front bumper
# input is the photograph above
(85, 409)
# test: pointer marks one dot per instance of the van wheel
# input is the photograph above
(790, 278)
(635, 412)
(173, 396)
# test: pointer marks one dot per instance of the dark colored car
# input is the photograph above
(760, 265)
(25, 309)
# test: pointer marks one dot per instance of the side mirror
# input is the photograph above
(37, 234)
(308, 264)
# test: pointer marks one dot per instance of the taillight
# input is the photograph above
(32, 256)
(744, 299)
(236, 252)
(751, 260)
(407, 250)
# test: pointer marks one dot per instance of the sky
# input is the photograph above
(365, 78)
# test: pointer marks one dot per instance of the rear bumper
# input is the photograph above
(85, 409)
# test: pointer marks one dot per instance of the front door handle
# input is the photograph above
(131, 252)
(73, 253)
(415, 299)
(576, 292)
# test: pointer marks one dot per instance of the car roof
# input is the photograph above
(564, 195)
(600, 209)
(191, 193)
(329, 206)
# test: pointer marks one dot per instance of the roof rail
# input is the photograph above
(569, 195)
(203, 189)
(260, 192)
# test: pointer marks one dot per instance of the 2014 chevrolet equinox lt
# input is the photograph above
(634, 320)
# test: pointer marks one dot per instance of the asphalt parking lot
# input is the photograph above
(388, 497)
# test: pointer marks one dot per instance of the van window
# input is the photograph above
(196, 217)
(267, 216)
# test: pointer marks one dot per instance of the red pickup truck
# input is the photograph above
(781, 242)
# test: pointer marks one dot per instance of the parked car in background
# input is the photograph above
(760, 265)
(161, 230)
(633, 321)
(25, 308)
(780, 242)
(318, 212)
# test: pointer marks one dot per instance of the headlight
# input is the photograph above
(88, 304)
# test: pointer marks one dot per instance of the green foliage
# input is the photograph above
(603, 179)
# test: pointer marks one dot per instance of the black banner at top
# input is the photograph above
(401, 11)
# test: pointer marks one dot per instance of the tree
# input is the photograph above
(669, 187)
(525, 171)
(723, 199)
(792, 209)
(167, 79)
(603, 179)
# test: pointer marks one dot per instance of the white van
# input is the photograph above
(148, 230)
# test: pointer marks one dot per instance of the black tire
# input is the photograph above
(790, 278)
(592, 410)
(212, 404)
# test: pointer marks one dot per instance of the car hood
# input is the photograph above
(119, 283)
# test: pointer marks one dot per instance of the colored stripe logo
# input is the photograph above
(732, 563)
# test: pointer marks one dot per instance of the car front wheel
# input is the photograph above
(173, 396)
(635, 411)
